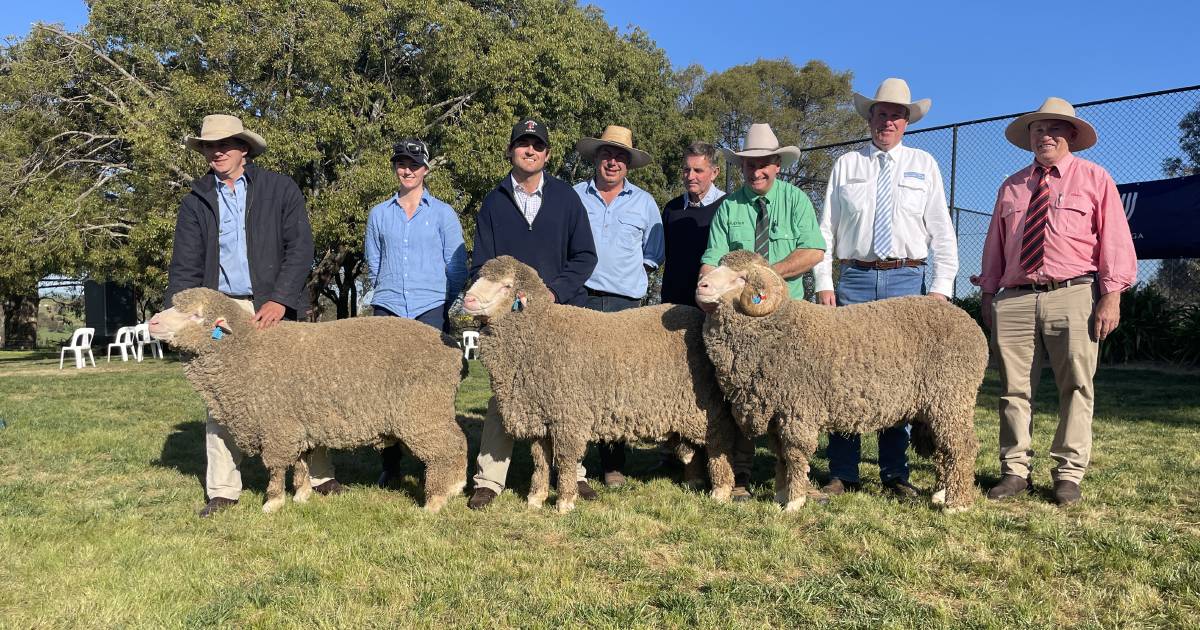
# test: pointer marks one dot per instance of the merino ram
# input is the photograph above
(355, 382)
(564, 376)
(792, 369)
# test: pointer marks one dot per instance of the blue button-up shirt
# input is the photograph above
(628, 234)
(415, 264)
(235, 266)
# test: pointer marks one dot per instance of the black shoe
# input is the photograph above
(585, 491)
(388, 479)
(330, 487)
(837, 487)
(901, 489)
(1009, 487)
(481, 498)
(1067, 493)
(214, 505)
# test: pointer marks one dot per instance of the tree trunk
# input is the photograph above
(18, 312)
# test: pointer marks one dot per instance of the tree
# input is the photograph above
(93, 158)
(1179, 279)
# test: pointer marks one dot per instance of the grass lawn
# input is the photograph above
(101, 474)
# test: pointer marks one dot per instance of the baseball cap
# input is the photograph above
(529, 127)
(411, 148)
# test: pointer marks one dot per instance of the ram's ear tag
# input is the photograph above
(220, 328)
(758, 298)
(517, 305)
(217, 333)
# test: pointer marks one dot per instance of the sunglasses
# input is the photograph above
(411, 147)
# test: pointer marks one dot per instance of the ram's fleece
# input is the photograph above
(285, 390)
(793, 369)
(564, 376)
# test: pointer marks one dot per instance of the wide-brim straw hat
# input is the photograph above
(760, 142)
(613, 136)
(221, 126)
(1054, 108)
(893, 91)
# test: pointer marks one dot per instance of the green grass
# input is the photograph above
(100, 478)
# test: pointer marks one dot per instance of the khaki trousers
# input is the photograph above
(222, 477)
(495, 453)
(1057, 324)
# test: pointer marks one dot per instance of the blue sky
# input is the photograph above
(973, 58)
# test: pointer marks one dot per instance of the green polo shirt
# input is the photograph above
(793, 226)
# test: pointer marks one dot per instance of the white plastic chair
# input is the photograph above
(142, 338)
(123, 342)
(81, 341)
(470, 342)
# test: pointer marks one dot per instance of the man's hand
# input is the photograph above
(939, 296)
(985, 309)
(268, 315)
(826, 298)
(1106, 315)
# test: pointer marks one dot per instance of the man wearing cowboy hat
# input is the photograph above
(1058, 255)
(773, 218)
(539, 220)
(627, 228)
(884, 212)
(242, 230)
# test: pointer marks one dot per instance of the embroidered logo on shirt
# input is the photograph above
(914, 175)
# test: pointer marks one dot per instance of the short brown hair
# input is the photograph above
(703, 149)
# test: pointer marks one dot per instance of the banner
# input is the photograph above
(1164, 217)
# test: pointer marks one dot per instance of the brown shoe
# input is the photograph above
(330, 487)
(1009, 487)
(585, 491)
(741, 494)
(901, 489)
(1067, 493)
(614, 479)
(481, 498)
(837, 487)
(214, 505)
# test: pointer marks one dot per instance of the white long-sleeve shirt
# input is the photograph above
(920, 218)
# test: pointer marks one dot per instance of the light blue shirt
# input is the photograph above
(234, 278)
(415, 264)
(628, 234)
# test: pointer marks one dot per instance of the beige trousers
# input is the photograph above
(495, 453)
(1029, 325)
(222, 477)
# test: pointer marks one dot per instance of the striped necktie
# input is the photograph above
(762, 230)
(882, 239)
(1033, 238)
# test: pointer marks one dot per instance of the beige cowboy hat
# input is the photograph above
(220, 126)
(613, 136)
(893, 91)
(1054, 108)
(760, 142)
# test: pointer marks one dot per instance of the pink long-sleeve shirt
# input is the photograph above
(1087, 232)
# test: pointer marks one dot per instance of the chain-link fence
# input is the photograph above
(1139, 135)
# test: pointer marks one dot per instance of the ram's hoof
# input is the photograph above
(956, 509)
(565, 506)
(457, 488)
(721, 495)
(795, 504)
(273, 505)
(939, 497)
(433, 504)
(536, 501)
(303, 494)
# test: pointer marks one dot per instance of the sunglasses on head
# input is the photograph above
(412, 147)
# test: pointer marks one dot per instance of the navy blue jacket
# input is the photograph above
(558, 245)
(279, 242)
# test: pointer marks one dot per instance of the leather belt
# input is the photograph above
(598, 293)
(240, 297)
(885, 265)
(1086, 278)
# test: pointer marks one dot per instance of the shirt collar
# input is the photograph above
(516, 186)
(1061, 166)
(712, 195)
(893, 154)
(424, 198)
(240, 180)
(626, 187)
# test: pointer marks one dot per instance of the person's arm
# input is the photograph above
(485, 239)
(798, 262)
(581, 251)
(810, 245)
(454, 255)
(718, 239)
(1116, 269)
(941, 236)
(992, 267)
(297, 245)
(830, 212)
(654, 248)
(371, 252)
(187, 255)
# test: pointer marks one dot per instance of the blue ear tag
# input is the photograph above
(217, 332)
(757, 299)
(517, 307)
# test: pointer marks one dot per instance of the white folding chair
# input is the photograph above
(124, 343)
(81, 341)
(142, 338)
(470, 342)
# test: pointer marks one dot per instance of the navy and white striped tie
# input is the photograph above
(882, 242)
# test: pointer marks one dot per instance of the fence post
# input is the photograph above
(953, 208)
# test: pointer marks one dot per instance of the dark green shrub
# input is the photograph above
(1146, 331)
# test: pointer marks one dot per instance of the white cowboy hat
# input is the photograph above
(893, 91)
(220, 126)
(760, 142)
(1054, 108)
(613, 136)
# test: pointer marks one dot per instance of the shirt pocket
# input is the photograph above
(1073, 215)
(913, 194)
(856, 195)
(741, 236)
(1011, 216)
(629, 233)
